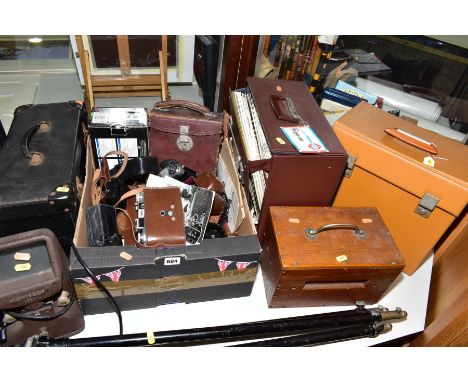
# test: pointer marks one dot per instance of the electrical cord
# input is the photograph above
(100, 285)
(22, 316)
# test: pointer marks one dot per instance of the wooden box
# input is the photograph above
(349, 257)
(418, 202)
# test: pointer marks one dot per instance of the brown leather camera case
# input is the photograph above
(163, 218)
(351, 258)
(187, 132)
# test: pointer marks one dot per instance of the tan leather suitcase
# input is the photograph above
(417, 202)
(317, 256)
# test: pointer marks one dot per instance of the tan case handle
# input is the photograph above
(413, 140)
(129, 194)
(124, 164)
(97, 192)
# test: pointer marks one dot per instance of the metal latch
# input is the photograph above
(184, 142)
(118, 130)
(426, 205)
(350, 165)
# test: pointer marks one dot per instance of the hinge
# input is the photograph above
(426, 205)
(350, 165)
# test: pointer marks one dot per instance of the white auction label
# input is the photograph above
(304, 139)
(171, 260)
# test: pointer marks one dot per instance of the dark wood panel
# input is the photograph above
(238, 63)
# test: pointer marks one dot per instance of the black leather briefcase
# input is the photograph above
(42, 168)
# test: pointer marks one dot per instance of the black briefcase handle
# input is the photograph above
(35, 156)
(26, 140)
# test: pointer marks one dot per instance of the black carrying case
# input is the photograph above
(42, 169)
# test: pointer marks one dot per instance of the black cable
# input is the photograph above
(21, 316)
(100, 285)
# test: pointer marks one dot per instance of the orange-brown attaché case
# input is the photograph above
(417, 202)
(317, 256)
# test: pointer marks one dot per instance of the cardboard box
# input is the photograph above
(214, 269)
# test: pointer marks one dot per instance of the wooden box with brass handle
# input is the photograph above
(317, 256)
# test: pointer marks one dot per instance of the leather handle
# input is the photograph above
(26, 140)
(413, 140)
(275, 101)
(129, 194)
(312, 233)
(102, 176)
(182, 104)
(124, 163)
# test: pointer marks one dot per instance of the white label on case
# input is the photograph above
(126, 255)
(171, 260)
(428, 161)
(22, 256)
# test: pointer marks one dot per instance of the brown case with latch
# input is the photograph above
(386, 170)
(156, 217)
(318, 256)
(294, 179)
(187, 132)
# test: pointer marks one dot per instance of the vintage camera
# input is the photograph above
(176, 170)
(153, 217)
(36, 291)
(102, 226)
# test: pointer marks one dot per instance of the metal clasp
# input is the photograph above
(350, 165)
(426, 205)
